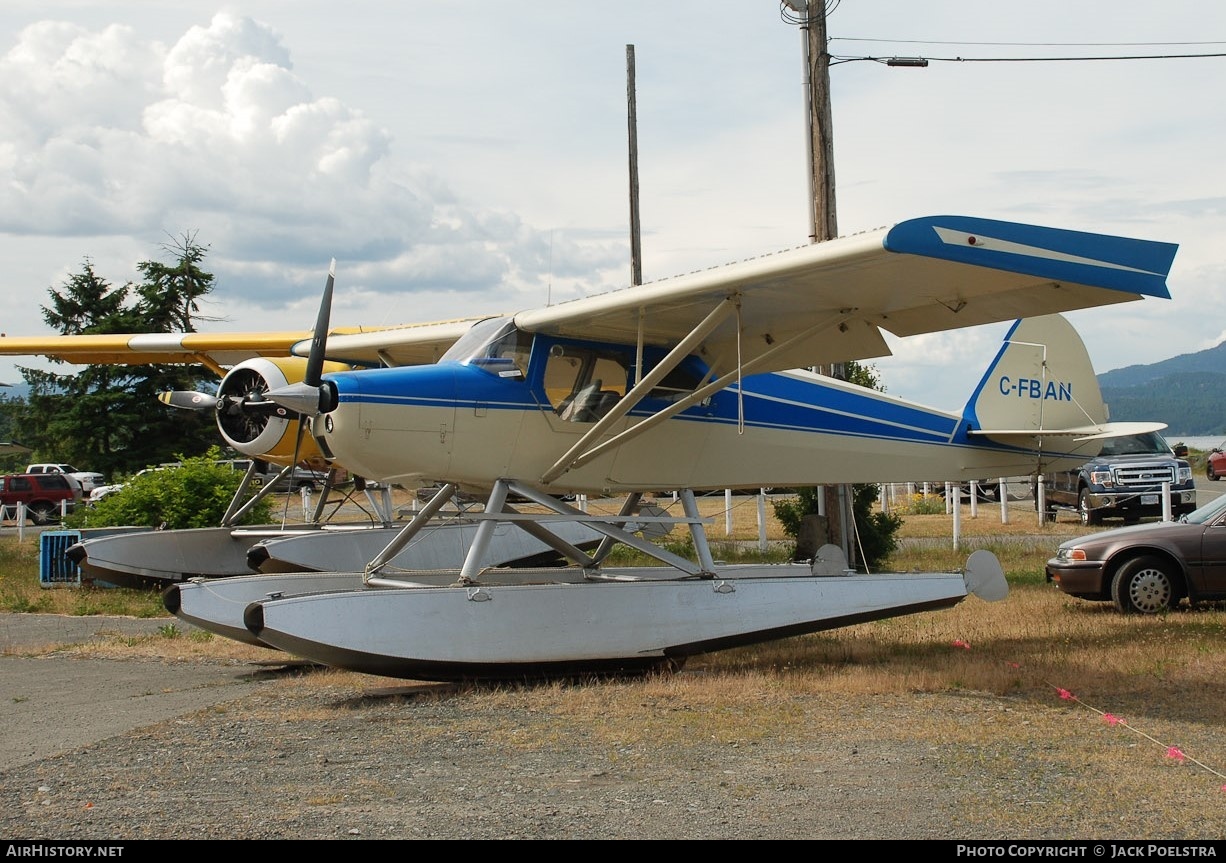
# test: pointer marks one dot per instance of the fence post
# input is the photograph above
(956, 497)
(762, 519)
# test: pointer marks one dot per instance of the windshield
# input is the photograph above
(474, 342)
(1150, 443)
(1207, 513)
(495, 345)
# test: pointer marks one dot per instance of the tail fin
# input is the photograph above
(1042, 385)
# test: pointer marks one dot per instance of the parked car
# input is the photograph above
(1148, 568)
(298, 478)
(1125, 480)
(1215, 464)
(86, 479)
(44, 495)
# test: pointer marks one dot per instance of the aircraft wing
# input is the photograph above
(815, 304)
(828, 302)
(405, 345)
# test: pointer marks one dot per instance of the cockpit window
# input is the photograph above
(584, 384)
(495, 345)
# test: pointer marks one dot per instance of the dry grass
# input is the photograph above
(1041, 694)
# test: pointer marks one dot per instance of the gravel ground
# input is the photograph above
(287, 761)
(192, 748)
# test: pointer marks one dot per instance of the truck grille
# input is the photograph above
(1143, 475)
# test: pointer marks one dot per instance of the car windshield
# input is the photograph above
(1150, 443)
(1207, 513)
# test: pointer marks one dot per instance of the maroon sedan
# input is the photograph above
(1148, 568)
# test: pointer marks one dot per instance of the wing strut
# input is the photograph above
(640, 389)
(575, 457)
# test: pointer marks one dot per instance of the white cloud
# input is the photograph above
(457, 162)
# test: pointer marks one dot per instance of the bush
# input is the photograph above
(196, 493)
(874, 530)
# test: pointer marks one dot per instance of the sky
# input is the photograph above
(460, 160)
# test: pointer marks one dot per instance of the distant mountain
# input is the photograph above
(1212, 360)
(1187, 392)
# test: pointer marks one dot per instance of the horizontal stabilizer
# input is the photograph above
(1101, 431)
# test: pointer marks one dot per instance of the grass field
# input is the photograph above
(1126, 708)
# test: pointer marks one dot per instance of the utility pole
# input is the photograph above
(823, 219)
(636, 253)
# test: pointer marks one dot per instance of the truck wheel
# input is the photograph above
(43, 513)
(1145, 585)
(1089, 515)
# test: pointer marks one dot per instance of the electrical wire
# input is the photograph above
(835, 60)
(791, 15)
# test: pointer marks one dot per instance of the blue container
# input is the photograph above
(54, 567)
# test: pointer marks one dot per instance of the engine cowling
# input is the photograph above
(257, 427)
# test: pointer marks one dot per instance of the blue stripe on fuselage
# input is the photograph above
(790, 402)
(439, 385)
(780, 401)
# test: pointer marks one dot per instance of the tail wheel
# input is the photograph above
(1146, 585)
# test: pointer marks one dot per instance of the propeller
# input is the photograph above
(311, 396)
(241, 406)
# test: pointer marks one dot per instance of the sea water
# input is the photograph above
(1205, 444)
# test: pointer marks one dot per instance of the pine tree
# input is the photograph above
(107, 417)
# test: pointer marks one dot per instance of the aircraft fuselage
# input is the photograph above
(468, 421)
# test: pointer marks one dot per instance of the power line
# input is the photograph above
(1019, 44)
(834, 59)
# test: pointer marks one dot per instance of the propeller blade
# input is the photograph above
(305, 397)
(188, 400)
(319, 340)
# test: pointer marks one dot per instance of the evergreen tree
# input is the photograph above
(107, 418)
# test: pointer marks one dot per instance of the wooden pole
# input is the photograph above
(636, 258)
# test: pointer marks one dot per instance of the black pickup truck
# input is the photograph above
(1124, 480)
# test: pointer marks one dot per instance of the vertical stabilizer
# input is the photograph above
(1041, 381)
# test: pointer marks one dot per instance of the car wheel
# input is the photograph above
(1089, 515)
(1145, 585)
(1211, 473)
(43, 513)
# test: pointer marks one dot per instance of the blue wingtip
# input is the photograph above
(1103, 260)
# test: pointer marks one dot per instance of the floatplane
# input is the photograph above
(689, 383)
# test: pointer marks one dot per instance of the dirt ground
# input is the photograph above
(255, 746)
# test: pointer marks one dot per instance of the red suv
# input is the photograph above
(43, 494)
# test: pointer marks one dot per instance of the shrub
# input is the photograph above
(195, 493)
(874, 530)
